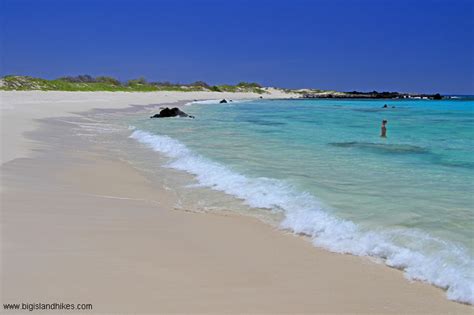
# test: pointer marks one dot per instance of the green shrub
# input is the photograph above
(108, 80)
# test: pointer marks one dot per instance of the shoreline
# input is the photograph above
(20, 109)
(230, 256)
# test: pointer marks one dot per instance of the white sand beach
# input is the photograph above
(79, 225)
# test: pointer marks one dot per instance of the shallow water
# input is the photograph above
(406, 199)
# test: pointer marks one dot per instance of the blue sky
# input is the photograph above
(412, 46)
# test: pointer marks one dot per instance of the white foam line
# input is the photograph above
(450, 267)
(119, 198)
(217, 101)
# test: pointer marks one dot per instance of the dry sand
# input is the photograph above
(80, 226)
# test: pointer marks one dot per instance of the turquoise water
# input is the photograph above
(407, 199)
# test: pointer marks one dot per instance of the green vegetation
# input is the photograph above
(105, 83)
(241, 87)
(80, 83)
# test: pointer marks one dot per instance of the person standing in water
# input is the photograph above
(383, 130)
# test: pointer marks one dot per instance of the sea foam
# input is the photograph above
(215, 102)
(448, 266)
(203, 102)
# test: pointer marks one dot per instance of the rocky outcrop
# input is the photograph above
(371, 95)
(173, 112)
(223, 101)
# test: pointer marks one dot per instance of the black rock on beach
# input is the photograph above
(173, 112)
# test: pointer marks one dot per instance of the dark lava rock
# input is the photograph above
(223, 101)
(173, 112)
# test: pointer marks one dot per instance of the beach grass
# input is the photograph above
(88, 83)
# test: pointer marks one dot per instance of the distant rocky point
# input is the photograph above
(371, 95)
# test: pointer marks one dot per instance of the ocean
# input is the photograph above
(320, 168)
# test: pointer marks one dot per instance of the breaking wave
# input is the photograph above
(422, 257)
